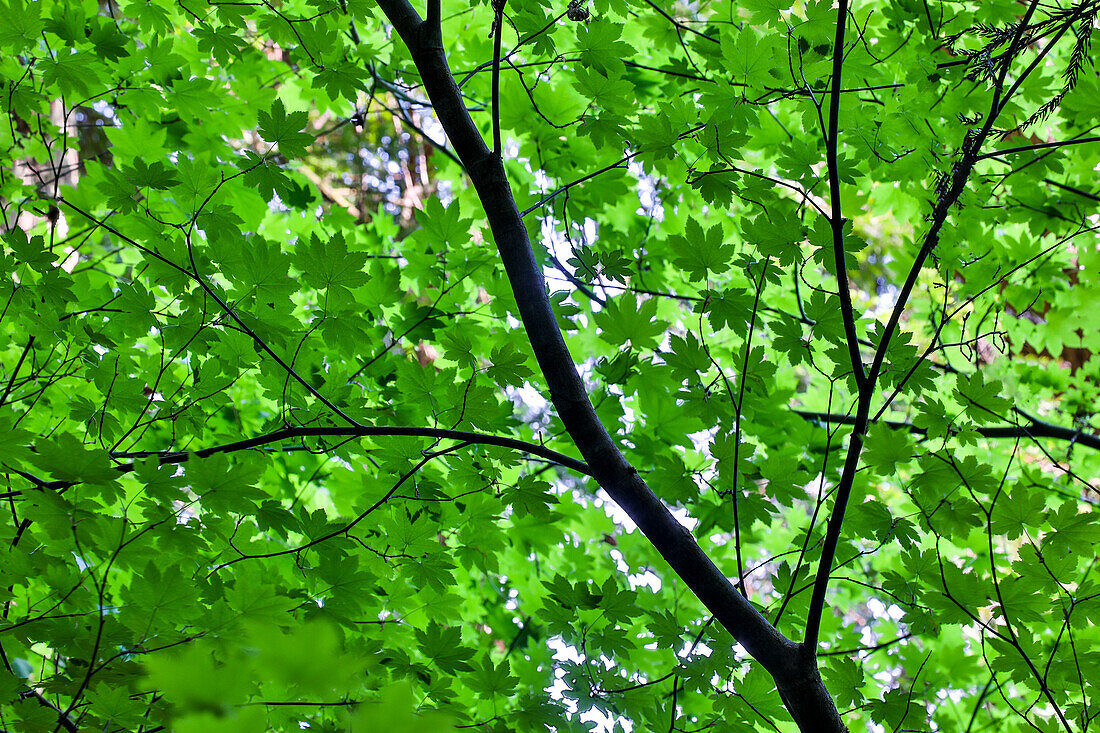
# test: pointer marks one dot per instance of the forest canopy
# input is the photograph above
(623, 365)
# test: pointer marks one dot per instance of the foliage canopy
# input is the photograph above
(291, 437)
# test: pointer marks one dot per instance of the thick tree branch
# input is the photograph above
(794, 672)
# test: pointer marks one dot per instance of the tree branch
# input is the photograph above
(15, 371)
(947, 195)
(795, 674)
(498, 32)
(1034, 429)
(836, 218)
(364, 432)
(1037, 146)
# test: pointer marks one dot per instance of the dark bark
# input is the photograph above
(793, 668)
(1032, 429)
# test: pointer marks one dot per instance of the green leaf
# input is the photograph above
(252, 598)
(627, 320)
(72, 71)
(284, 130)
(600, 45)
(777, 237)
(342, 80)
(328, 265)
(22, 24)
(845, 677)
(263, 175)
(982, 400)
(192, 677)
(886, 447)
(748, 57)
(701, 253)
(443, 225)
(766, 10)
(492, 680)
(220, 43)
(31, 251)
(225, 485)
(604, 87)
(67, 459)
(1016, 511)
(443, 645)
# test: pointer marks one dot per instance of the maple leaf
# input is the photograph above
(284, 130)
(701, 253)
